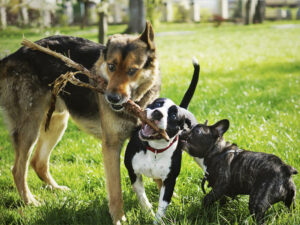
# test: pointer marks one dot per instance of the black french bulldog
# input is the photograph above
(231, 171)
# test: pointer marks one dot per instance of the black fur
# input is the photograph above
(80, 101)
(232, 171)
(192, 88)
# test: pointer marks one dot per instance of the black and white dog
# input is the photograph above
(231, 171)
(149, 154)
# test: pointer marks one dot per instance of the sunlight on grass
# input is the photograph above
(249, 74)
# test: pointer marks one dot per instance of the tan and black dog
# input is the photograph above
(130, 67)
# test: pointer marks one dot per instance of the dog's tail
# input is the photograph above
(293, 171)
(191, 90)
(290, 170)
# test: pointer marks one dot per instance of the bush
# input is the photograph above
(181, 13)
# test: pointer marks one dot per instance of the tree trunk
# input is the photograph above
(69, 12)
(3, 17)
(250, 11)
(102, 28)
(137, 17)
(25, 18)
(84, 20)
(259, 15)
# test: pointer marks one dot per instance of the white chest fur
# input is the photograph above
(156, 166)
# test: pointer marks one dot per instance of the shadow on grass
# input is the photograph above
(92, 212)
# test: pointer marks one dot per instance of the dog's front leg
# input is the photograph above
(165, 196)
(111, 147)
(214, 195)
(139, 189)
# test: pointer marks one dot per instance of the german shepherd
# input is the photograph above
(130, 67)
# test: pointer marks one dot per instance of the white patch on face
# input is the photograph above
(103, 71)
(162, 124)
(200, 162)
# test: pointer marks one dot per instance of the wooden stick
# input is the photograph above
(58, 85)
(69, 62)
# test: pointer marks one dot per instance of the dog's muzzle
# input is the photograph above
(115, 100)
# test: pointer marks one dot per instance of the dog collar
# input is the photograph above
(236, 151)
(154, 150)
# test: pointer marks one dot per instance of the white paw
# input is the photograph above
(62, 188)
(32, 201)
(119, 222)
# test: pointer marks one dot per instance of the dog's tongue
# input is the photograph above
(147, 130)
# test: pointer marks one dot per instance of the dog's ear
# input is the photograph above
(148, 36)
(221, 127)
(182, 122)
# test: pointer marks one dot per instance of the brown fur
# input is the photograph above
(25, 102)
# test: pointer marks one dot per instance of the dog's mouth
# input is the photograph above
(117, 107)
(148, 133)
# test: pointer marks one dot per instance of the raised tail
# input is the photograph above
(290, 170)
(191, 90)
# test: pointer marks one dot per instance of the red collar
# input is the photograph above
(163, 149)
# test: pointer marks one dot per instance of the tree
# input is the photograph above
(85, 13)
(137, 16)
(3, 19)
(102, 24)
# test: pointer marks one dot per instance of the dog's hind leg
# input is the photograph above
(259, 202)
(165, 196)
(291, 194)
(46, 142)
(159, 183)
(24, 136)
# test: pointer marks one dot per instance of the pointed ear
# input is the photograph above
(148, 36)
(221, 127)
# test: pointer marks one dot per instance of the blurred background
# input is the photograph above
(83, 13)
(250, 74)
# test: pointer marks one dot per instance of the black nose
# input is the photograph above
(113, 98)
(157, 115)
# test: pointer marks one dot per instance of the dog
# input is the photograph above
(130, 67)
(231, 171)
(148, 154)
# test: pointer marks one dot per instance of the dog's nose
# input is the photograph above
(113, 98)
(157, 115)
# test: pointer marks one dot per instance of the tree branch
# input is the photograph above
(100, 86)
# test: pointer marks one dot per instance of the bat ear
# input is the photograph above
(221, 127)
(206, 122)
(148, 36)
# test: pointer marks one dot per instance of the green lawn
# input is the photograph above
(249, 74)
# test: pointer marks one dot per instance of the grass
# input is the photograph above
(249, 74)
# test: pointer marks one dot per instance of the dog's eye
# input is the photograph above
(173, 116)
(157, 104)
(132, 71)
(111, 67)
(198, 130)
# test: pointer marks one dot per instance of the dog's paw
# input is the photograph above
(33, 202)
(122, 220)
(175, 195)
(61, 188)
